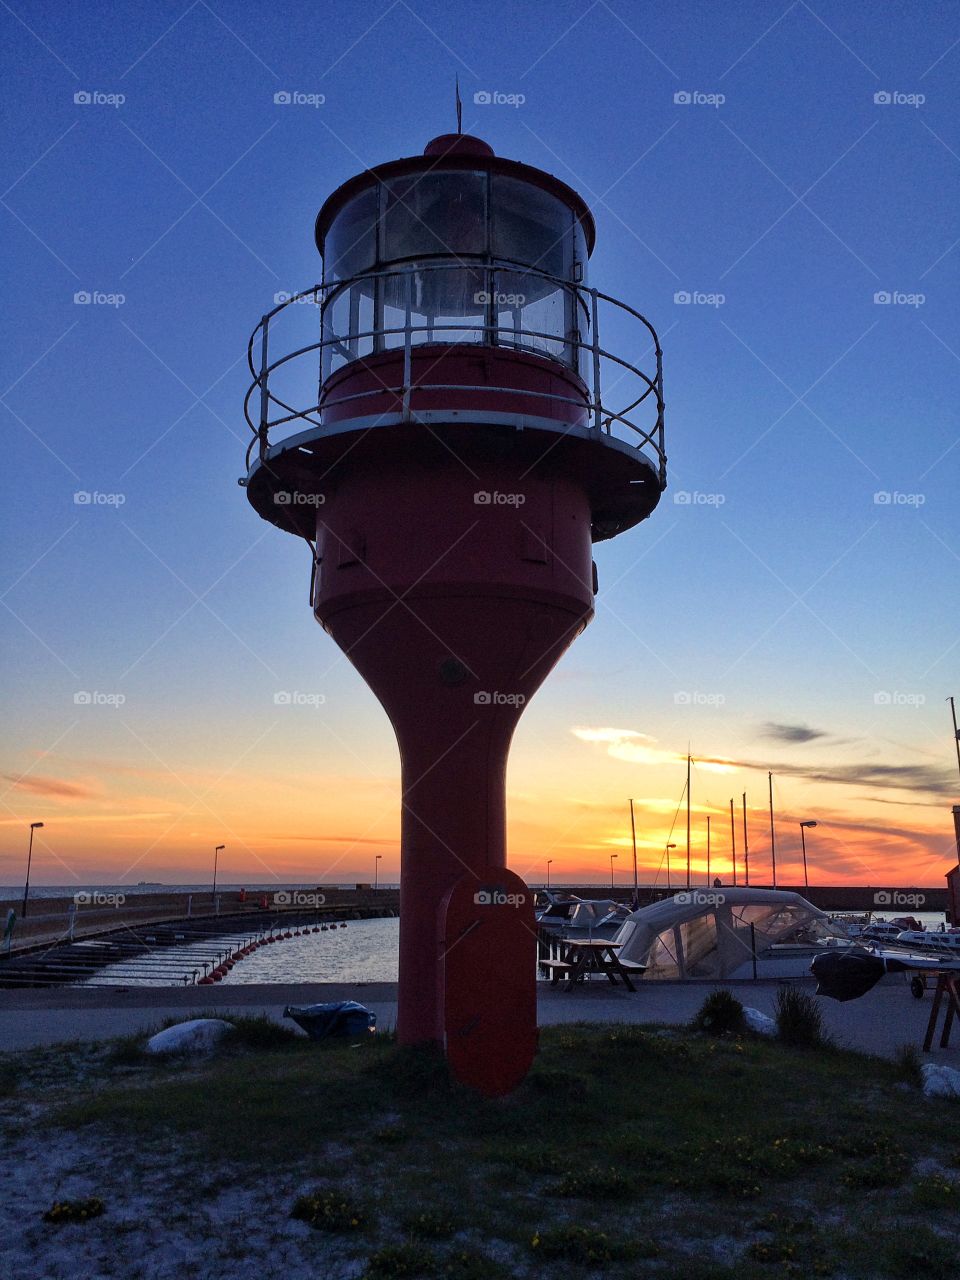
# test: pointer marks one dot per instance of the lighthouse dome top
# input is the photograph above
(458, 197)
(460, 144)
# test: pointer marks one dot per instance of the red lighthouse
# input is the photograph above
(473, 434)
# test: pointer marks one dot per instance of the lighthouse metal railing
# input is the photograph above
(614, 388)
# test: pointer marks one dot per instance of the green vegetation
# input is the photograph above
(633, 1152)
(63, 1211)
(799, 1020)
(721, 1014)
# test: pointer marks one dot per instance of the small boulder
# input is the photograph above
(759, 1022)
(939, 1081)
(201, 1035)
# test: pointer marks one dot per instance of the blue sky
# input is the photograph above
(791, 597)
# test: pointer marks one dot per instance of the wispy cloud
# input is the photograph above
(57, 788)
(792, 733)
(640, 748)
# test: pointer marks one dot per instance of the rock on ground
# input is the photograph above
(200, 1035)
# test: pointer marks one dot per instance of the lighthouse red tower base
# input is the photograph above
(462, 456)
(454, 583)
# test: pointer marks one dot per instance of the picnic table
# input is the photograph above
(580, 956)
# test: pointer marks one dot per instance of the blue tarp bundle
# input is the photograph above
(345, 1019)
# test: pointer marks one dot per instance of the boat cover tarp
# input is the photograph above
(710, 933)
(345, 1018)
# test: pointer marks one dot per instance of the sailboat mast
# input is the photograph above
(746, 847)
(773, 838)
(733, 841)
(708, 849)
(688, 820)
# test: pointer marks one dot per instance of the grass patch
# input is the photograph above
(66, 1211)
(721, 1014)
(330, 1211)
(799, 1020)
(590, 1247)
(739, 1157)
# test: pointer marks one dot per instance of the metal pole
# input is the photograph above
(708, 850)
(215, 853)
(688, 821)
(733, 842)
(746, 847)
(549, 861)
(264, 393)
(633, 836)
(26, 887)
(803, 845)
(773, 838)
(376, 871)
(956, 731)
(612, 857)
(596, 360)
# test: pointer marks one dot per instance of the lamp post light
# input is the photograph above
(26, 887)
(216, 854)
(613, 856)
(803, 842)
(669, 847)
(549, 863)
(376, 870)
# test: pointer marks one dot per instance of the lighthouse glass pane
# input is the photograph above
(348, 325)
(533, 314)
(447, 304)
(433, 214)
(351, 243)
(531, 226)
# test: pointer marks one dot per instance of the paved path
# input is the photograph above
(878, 1023)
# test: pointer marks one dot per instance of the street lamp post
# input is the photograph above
(26, 887)
(803, 843)
(613, 856)
(376, 870)
(216, 853)
(633, 837)
(549, 863)
(669, 847)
